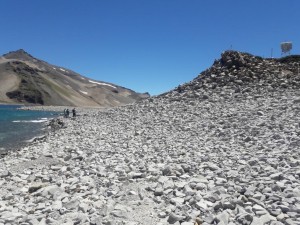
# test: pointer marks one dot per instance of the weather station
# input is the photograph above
(286, 48)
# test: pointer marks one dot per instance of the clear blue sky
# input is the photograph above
(146, 45)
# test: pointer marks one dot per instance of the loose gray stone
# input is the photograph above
(173, 218)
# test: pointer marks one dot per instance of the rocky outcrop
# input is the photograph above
(243, 72)
(218, 150)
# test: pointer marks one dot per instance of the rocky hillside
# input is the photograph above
(239, 72)
(25, 79)
(220, 150)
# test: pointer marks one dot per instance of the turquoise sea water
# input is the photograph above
(18, 126)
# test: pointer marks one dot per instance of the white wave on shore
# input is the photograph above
(42, 120)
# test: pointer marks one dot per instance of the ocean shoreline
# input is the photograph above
(40, 132)
(3, 103)
(59, 108)
(39, 127)
(44, 130)
(23, 144)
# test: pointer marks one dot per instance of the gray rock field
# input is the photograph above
(222, 149)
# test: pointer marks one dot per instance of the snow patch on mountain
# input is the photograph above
(84, 92)
(63, 70)
(94, 82)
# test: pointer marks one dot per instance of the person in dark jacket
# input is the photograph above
(74, 112)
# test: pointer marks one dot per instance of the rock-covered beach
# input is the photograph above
(222, 149)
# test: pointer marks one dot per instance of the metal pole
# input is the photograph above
(271, 53)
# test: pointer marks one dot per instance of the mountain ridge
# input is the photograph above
(26, 79)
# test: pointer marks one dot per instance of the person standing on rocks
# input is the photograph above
(74, 112)
(67, 113)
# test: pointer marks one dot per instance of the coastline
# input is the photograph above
(43, 131)
(3, 103)
(61, 108)
(24, 144)
(31, 128)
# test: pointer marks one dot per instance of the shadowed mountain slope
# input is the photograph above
(25, 79)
